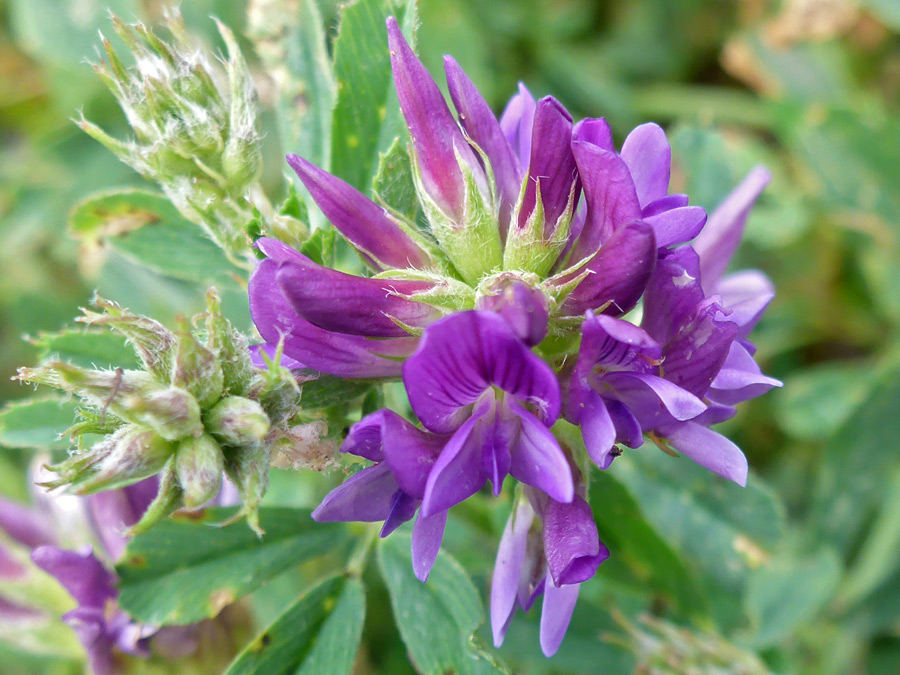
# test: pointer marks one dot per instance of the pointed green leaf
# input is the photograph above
(87, 348)
(393, 184)
(183, 570)
(319, 633)
(36, 423)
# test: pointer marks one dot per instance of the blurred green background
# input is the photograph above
(810, 88)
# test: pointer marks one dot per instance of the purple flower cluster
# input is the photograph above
(515, 308)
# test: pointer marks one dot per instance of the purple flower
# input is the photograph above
(553, 561)
(472, 377)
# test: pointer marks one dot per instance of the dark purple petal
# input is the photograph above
(647, 153)
(648, 395)
(25, 525)
(709, 449)
(517, 123)
(551, 165)
(497, 438)
(457, 474)
(365, 224)
(410, 452)
(619, 272)
(597, 430)
(328, 352)
(402, 509)
(427, 535)
(664, 204)
(673, 293)
(478, 120)
(365, 437)
(365, 497)
(628, 429)
(595, 131)
(556, 613)
(80, 573)
(609, 192)
(571, 543)
(719, 240)
(508, 569)
(349, 304)
(615, 345)
(435, 134)
(537, 459)
(524, 308)
(747, 294)
(677, 226)
(464, 354)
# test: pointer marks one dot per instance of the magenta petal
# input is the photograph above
(708, 449)
(349, 304)
(551, 165)
(537, 459)
(696, 353)
(426, 543)
(79, 572)
(365, 437)
(435, 134)
(610, 195)
(508, 569)
(556, 613)
(677, 226)
(673, 293)
(664, 204)
(628, 429)
(457, 474)
(597, 430)
(517, 123)
(365, 224)
(479, 122)
(464, 354)
(648, 395)
(410, 452)
(350, 356)
(571, 543)
(25, 525)
(647, 153)
(595, 131)
(615, 344)
(364, 497)
(722, 234)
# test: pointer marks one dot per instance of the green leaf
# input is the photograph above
(436, 619)
(184, 571)
(327, 390)
(393, 184)
(366, 114)
(87, 348)
(36, 423)
(320, 246)
(788, 593)
(145, 228)
(722, 529)
(319, 633)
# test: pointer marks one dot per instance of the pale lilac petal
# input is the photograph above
(677, 225)
(708, 449)
(551, 165)
(719, 240)
(609, 192)
(435, 134)
(517, 123)
(462, 356)
(457, 474)
(79, 572)
(664, 204)
(365, 224)
(619, 272)
(478, 120)
(349, 304)
(571, 542)
(537, 459)
(556, 613)
(595, 131)
(427, 535)
(740, 378)
(410, 452)
(647, 153)
(648, 395)
(597, 430)
(25, 525)
(364, 497)
(89, 625)
(508, 569)
(747, 294)
(114, 511)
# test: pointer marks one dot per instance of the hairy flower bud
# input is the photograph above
(248, 469)
(229, 345)
(199, 465)
(196, 369)
(237, 421)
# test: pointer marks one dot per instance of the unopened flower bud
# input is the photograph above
(196, 369)
(524, 307)
(229, 345)
(199, 465)
(248, 469)
(237, 421)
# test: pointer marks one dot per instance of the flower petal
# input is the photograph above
(694, 356)
(524, 308)
(709, 449)
(517, 124)
(571, 542)
(740, 378)
(402, 509)
(664, 204)
(364, 497)
(597, 430)
(365, 437)
(747, 294)
(365, 224)
(508, 568)
(673, 293)
(28, 526)
(595, 131)
(646, 396)
(79, 572)
(647, 153)
(426, 543)
(537, 459)
(678, 225)
(615, 344)
(410, 452)
(556, 613)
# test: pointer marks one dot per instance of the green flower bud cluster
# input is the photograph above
(194, 122)
(198, 409)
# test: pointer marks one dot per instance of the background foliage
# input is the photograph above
(800, 568)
